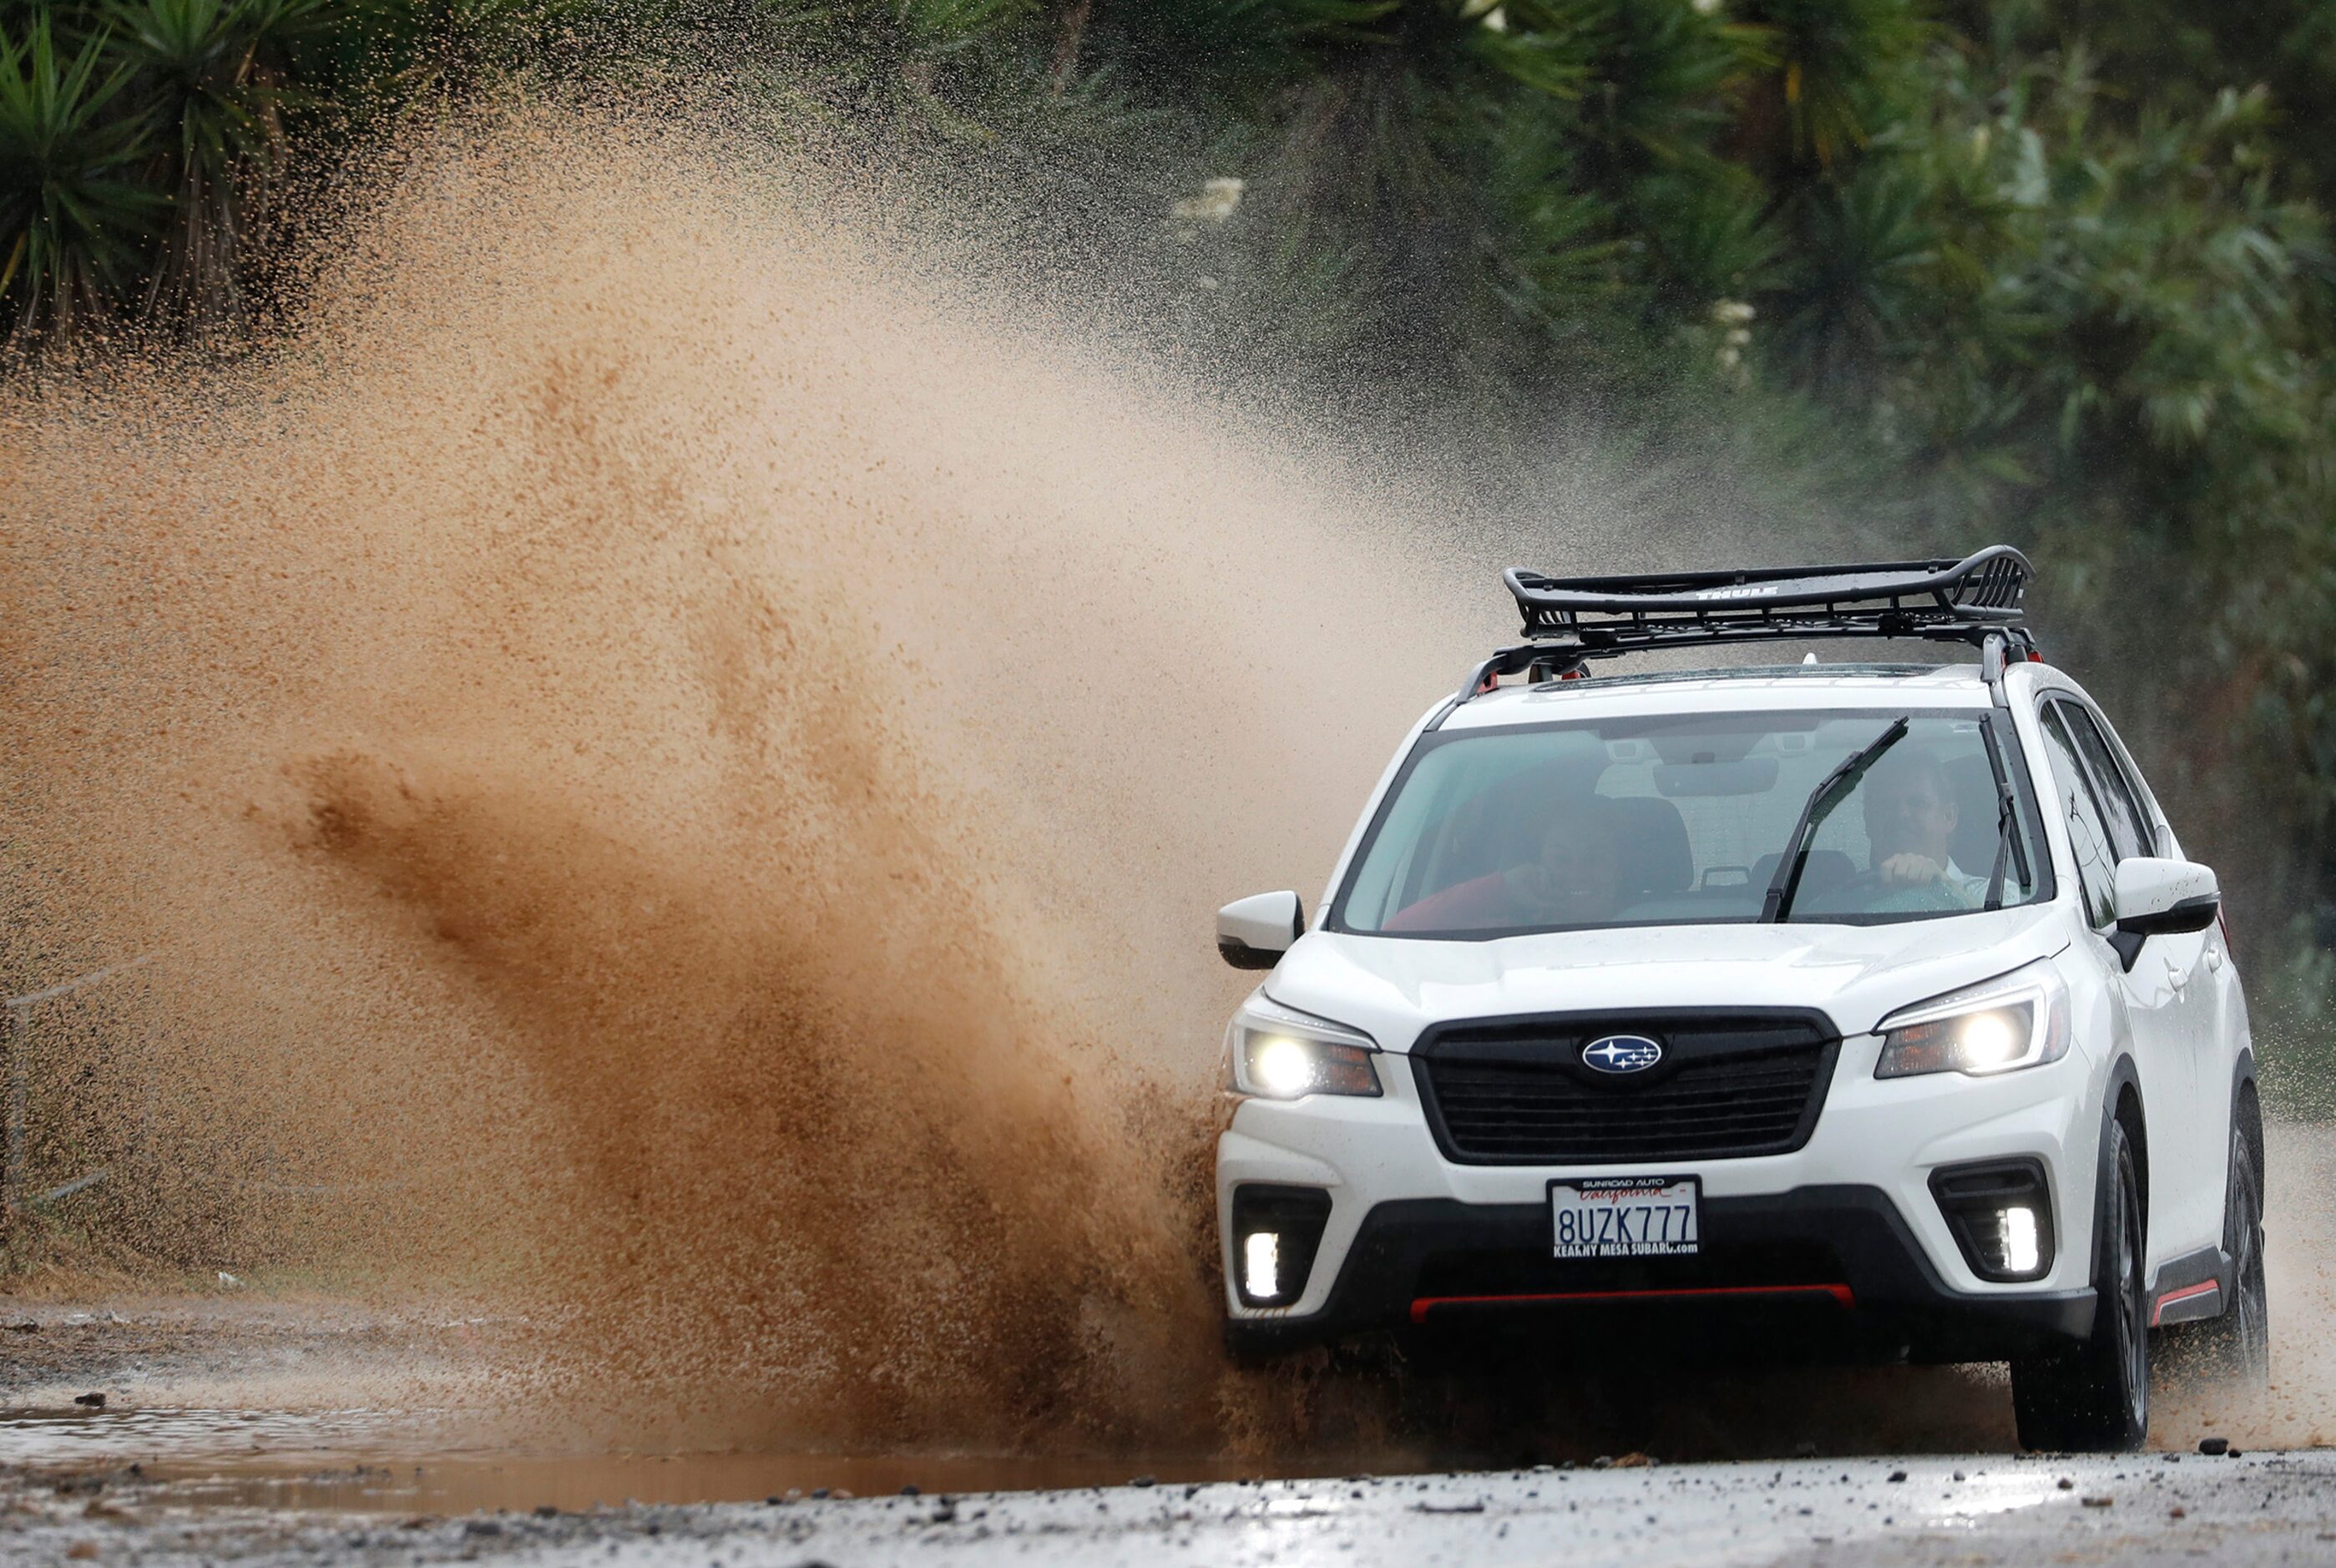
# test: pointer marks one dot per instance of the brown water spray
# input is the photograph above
(676, 762)
(674, 751)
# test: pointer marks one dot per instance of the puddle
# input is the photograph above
(579, 1482)
(161, 1436)
(404, 1462)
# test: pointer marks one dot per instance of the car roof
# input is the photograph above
(1750, 689)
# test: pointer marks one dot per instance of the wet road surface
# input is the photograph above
(2253, 1508)
(268, 1433)
(244, 1430)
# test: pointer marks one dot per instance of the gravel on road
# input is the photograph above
(2251, 1508)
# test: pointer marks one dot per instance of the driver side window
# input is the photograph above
(2089, 836)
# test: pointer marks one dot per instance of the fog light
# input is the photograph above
(2018, 1228)
(2000, 1211)
(1261, 1265)
(1276, 1230)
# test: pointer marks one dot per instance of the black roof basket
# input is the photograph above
(1573, 619)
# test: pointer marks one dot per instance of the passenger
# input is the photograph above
(1575, 879)
(1909, 819)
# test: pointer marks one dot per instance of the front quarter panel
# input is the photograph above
(2180, 1077)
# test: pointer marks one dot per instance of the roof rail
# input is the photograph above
(1572, 620)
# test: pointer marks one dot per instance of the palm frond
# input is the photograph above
(74, 219)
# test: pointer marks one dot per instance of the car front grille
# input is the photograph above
(1730, 1085)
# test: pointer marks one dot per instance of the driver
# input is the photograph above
(1573, 880)
(1910, 817)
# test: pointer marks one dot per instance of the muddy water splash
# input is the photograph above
(676, 762)
(674, 755)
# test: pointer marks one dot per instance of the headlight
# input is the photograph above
(2019, 1020)
(1281, 1055)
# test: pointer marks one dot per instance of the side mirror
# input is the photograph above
(1253, 933)
(2161, 897)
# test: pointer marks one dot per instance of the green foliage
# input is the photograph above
(214, 78)
(71, 217)
(1831, 64)
(2050, 271)
(144, 144)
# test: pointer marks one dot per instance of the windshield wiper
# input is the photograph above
(2008, 843)
(1828, 796)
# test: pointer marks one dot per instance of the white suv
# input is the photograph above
(1845, 1009)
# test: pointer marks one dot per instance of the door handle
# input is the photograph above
(2176, 974)
(2214, 960)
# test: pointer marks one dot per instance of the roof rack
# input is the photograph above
(1572, 620)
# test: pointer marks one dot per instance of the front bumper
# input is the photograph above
(1818, 1273)
(1836, 1247)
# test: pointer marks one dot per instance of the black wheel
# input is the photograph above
(2095, 1398)
(2234, 1348)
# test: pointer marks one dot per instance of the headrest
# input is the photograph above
(1651, 838)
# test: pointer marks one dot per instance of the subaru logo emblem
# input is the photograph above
(1621, 1053)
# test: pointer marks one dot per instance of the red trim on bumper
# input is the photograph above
(1839, 1294)
(2184, 1294)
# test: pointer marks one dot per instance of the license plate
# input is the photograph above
(1625, 1216)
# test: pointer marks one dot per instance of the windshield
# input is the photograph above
(1688, 818)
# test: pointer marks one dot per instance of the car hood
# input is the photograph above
(1394, 987)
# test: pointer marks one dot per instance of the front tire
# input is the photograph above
(2095, 1398)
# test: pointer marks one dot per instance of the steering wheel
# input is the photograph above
(1868, 893)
